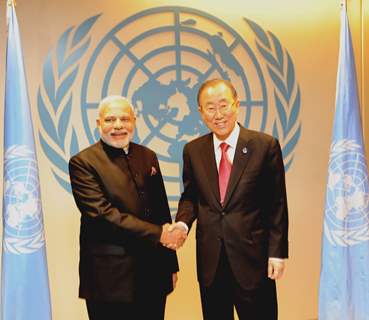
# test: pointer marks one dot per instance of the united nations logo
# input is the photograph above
(23, 229)
(347, 207)
(159, 58)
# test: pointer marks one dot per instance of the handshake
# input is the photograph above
(173, 235)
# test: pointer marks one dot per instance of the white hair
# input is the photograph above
(111, 99)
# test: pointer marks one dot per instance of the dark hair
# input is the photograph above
(213, 83)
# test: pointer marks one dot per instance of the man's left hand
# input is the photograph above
(275, 268)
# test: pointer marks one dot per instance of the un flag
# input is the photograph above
(344, 279)
(25, 287)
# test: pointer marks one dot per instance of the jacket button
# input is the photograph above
(223, 213)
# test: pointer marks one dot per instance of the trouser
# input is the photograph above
(152, 307)
(219, 299)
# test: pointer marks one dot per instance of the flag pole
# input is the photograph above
(11, 4)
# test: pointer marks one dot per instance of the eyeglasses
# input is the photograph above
(212, 110)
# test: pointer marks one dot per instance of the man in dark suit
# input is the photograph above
(234, 186)
(125, 272)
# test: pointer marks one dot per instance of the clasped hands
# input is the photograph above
(173, 235)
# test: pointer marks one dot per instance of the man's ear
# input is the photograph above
(237, 105)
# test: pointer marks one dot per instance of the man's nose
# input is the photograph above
(218, 114)
(118, 124)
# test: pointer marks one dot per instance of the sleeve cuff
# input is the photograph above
(276, 259)
(183, 225)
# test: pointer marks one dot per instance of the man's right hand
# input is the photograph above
(173, 236)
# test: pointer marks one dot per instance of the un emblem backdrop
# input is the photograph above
(280, 55)
(158, 58)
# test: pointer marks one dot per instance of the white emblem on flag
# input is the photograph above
(23, 232)
(347, 209)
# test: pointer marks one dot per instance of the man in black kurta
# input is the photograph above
(125, 272)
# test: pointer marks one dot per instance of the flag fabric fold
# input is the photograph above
(25, 287)
(344, 277)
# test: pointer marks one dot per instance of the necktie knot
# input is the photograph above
(224, 147)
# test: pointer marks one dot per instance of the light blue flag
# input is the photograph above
(344, 278)
(25, 286)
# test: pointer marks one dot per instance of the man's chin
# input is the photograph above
(222, 133)
(117, 143)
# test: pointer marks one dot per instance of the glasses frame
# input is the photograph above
(223, 112)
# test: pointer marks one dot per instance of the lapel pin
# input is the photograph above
(244, 150)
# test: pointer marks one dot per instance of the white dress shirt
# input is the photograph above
(231, 141)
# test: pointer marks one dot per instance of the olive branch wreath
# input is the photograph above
(287, 96)
(54, 98)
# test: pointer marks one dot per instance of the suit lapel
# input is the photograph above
(240, 161)
(210, 167)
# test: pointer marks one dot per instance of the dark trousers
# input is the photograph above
(152, 307)
(224, 293)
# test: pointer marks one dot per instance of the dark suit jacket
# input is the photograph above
(253, 223)
(123, 204)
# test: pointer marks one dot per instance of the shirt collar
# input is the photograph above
(231, 140)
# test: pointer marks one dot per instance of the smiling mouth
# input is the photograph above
(220, 124)
(119, 134)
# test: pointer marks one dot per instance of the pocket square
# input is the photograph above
(153, 171)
